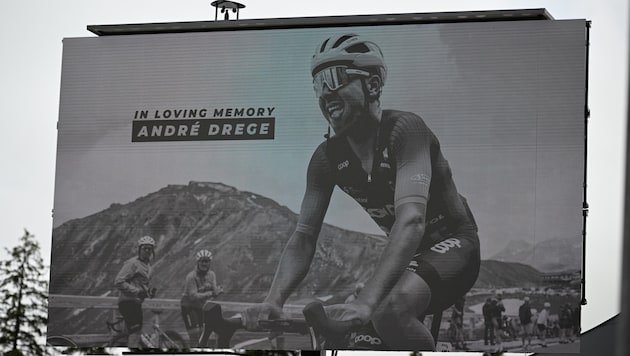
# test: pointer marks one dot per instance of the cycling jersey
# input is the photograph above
(198, 288)
(133, 278)
(408, 166)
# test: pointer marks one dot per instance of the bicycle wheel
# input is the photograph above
(171, 340)
(60, 341)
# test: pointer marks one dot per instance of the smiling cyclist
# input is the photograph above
(133, 283)
(200, 286)
(391, 163)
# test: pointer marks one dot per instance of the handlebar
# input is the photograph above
(316, 324)
(213, 321)
(330, 329)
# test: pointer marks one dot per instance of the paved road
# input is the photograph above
(553, 346)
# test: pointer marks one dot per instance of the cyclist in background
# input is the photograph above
(497, 321)
(525, 317)
(133, 283)
(542, 323)
(457, 318)
(200, 286)
(391, 164)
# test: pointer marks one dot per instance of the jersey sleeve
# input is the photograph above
(411, 143)
(124, 277)
(319, 187)
(191, 286)
(212, 279)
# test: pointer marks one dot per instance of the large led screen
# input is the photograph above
(421, 182)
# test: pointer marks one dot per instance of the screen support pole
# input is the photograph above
(587, 114)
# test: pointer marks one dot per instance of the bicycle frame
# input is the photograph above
(156, 339)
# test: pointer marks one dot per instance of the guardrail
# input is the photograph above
(93, 302)
(96, 302)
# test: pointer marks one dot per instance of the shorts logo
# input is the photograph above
(373, 340)
(421, 179)
(343, 165)
(444, 246)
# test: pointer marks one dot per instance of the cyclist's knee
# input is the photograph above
(409, 299)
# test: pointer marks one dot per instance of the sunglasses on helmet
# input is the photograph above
(335, 77)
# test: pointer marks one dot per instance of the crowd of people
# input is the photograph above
(530, 323)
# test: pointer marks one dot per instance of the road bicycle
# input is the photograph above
(323, 333)
(155, 339)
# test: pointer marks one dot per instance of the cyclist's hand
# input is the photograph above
(262, 311)
(142, 294)
(357, 312)
(152, 292)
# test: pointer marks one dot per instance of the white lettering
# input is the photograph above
(343, 165)
(214, 129)
(239, 129)
(143, 132)
(368, 338)
(444, 246)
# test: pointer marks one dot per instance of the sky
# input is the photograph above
(32, 32)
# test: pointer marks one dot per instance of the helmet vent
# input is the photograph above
(323, 47)
(358, 48)
(341, 40)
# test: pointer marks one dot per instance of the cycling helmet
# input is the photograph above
(204, 254)
(351, 50)
(146, 240)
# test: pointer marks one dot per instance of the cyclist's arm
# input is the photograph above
(212, 279)
(192, 289)
(300, 249)
(404, 240)
(124, 278)
(412, 148)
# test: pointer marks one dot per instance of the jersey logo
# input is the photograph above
(343, 165)
(444, 246)
(436, 219)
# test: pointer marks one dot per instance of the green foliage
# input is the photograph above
(24, 293)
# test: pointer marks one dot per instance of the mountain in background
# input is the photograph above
(497, 274)
(553, 255)
(246, 232)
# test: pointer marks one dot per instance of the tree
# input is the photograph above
(24, 290)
